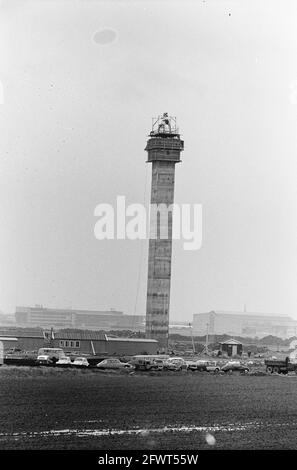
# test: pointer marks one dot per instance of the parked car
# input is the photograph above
(80, 362)
(192, 365)
(113, 364)
(175, 363)
(235, 366)
(212, 366)
(64, 362)
(204, 366)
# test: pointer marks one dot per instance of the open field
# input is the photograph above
(43, 408)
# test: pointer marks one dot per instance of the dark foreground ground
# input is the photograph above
(49, 409)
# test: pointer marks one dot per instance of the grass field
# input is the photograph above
(44, 408)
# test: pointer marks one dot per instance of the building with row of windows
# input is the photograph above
(249, 324)
(215, 322)
(42, 317)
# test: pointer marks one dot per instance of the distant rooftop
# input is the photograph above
(21, 309)
(249, 314)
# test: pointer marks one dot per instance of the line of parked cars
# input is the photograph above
(57, 357)
(179, 363)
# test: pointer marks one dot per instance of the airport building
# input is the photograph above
(42, 317)
(247, 324)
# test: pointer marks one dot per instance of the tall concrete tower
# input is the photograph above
(163, 147)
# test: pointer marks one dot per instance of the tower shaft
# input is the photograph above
(163, 147)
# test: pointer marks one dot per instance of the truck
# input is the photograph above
(280, 366)
(49, 356)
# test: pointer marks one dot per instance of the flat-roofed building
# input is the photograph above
(42, 317)
(218, 322)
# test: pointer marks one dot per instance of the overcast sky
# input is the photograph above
(74, 120)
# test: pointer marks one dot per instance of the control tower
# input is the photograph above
(163, 147)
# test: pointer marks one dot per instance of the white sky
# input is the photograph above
(74, 123)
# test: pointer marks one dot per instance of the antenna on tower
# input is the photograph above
(164, 125)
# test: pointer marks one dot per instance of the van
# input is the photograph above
(149, 362)
(145, 364)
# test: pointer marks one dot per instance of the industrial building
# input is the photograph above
(76, 341)
(163, 147)
(42, 317)
(247, 324)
